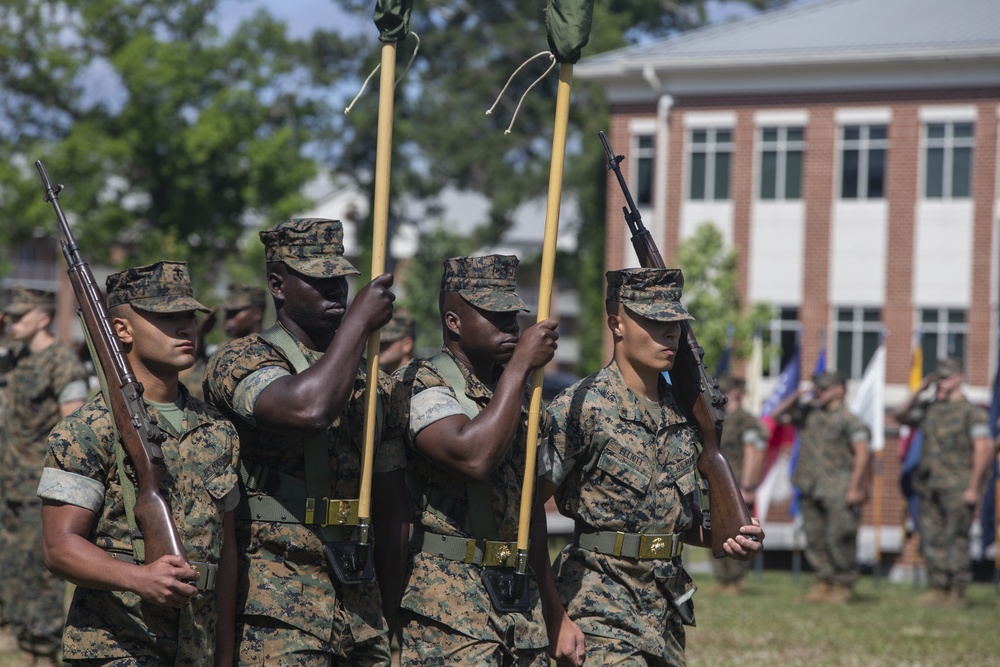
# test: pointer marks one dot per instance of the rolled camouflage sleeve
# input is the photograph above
(78, 461)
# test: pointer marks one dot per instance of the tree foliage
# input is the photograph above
(170, 138)
(711, 296)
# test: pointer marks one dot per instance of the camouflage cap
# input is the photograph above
(652, 293)
(311, 246)
(728, 382)
(400, 326)
(828, 379)
(25, 299)
(163, 287)
(948, 367)
(244, 296)
(486, 282)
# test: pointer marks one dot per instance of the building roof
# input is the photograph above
(830, 31)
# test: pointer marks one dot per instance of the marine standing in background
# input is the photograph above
(243, 312)
(396, 342)
(744, 442)
(832, 478)
(621, 462)
(466, 437)
(296, 394)
(956, 454)
(45, 382)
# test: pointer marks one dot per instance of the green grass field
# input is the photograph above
(770, 626)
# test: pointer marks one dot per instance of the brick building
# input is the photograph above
(848, 150)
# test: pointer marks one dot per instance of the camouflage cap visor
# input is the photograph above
(169, 304)
(26, 300)
(655, 304)
(315, 266)
(244, 297)
(495, 301)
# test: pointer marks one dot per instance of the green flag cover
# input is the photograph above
(392, 17)
(568, 25)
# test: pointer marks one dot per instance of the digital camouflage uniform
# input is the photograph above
(292, 606)
(38, 383)
(400, 326)
(741, 429)
(949, 429)
(199, 482)
(822, 476)
(448, 618)
(626, 464)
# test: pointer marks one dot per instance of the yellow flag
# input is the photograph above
(917, 368)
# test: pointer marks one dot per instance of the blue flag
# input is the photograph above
(989, 510)
(788, 382)
(793, 507)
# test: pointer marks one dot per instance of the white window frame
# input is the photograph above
(863, 144)
(857, 327)
(777, 326)
(637, 155)
(949, 143)
(944, 330)
(710, 148)
(781, 146)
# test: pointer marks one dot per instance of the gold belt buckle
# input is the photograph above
(499, 554)
(656, 546)
(341, 512)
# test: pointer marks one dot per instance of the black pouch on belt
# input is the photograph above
(351, 562)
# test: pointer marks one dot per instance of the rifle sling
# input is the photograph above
(128, 488)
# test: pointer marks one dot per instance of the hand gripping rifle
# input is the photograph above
(140, 435)
(697, 394)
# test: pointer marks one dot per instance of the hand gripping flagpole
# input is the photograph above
(364, 570)
(513, 592)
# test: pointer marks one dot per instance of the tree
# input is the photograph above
(171, 139)
(712, 297)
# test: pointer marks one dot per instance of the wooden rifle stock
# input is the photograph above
(698, 394)
(140, 435)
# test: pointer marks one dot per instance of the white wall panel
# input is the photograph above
(857, 253)
(942, 248)
(777, 232)
(720, 214)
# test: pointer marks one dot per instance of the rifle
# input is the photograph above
(698, 395)
(140, 435)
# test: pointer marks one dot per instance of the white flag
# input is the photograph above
(869, 399)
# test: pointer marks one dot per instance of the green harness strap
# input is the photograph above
(315, 450)
(481, 519)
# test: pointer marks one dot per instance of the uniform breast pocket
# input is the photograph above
(623, 481)
(219, 483)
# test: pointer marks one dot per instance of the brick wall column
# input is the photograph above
(741, 190)
(902, 191)
(817, 190)
(984, 174)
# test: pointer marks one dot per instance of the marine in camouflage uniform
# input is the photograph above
(46, 381)
(621, 461)
(832, 477)
(466, 439)
(744, 440)
(301, 437)
(396, 342)
(956, 453)
(122, 612)
(244, 310)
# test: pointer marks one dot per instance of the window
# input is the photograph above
(710, 153)
(862, 161)
(942, 335)
(643, 152)
(782, 333)
(781, 150)
(948, 160)
(857, 334)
